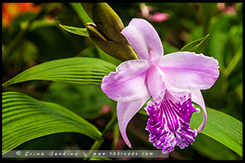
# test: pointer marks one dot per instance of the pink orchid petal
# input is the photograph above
(128, 82)
(144, 39)
(155, 81)
(198, 99)
(125, 112)
(188, 70)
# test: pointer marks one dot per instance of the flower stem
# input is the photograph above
(97, 143)
(115, 137)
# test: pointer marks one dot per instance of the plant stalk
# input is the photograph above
(97, 143)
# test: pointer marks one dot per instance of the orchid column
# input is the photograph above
(173, 81)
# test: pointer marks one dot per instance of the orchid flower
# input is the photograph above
(173, 81)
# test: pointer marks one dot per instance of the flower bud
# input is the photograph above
(107, 21)
(120, 51)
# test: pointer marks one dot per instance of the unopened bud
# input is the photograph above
(106, 20)
(94, 32)
(120, 51)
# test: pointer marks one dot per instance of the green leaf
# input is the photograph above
(25, 118)
(75, 30)
(81, 13)
(212, 149)
(80, 70)
(222, 128)
(192, 46)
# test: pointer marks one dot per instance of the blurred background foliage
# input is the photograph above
(31, 35)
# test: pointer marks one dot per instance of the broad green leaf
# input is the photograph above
(212, 149)
(81, 13)
(25, 118)
(75, 30)
(192, 46)
(80, 70)
(222, 128)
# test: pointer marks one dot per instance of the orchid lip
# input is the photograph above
(169, 123)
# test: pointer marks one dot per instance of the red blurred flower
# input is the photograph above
(11, 10)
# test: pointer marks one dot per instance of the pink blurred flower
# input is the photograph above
(149, 13)
(228, 8)
(159, 17)
(105, 109)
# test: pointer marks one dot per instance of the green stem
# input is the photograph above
(115, 128)
(97, 143)
(81, 12)
(115, 137)
(16, 42)
(233, 63)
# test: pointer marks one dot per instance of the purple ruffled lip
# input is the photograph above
(169, 123)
